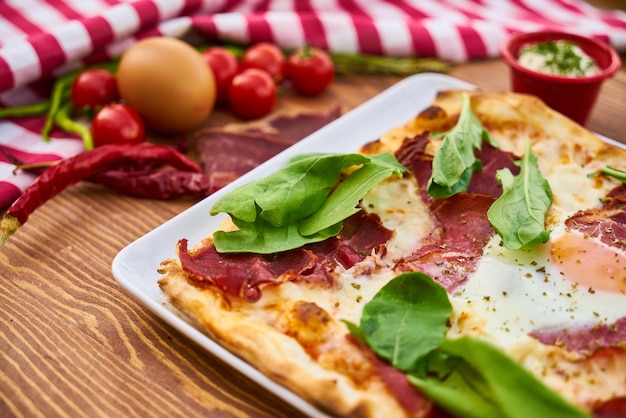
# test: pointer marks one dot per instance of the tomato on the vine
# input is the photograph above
(310, 70)
(117, 124)
(224, 65)
(252, 94)
(268, 57)
(94, 88)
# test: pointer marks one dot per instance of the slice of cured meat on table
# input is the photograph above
(227, 153)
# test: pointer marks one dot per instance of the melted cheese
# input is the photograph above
(569, 172)
(402, 210)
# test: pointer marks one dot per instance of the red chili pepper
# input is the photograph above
(162, 185)
(82, 166)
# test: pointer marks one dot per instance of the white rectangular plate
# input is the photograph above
(135, 267)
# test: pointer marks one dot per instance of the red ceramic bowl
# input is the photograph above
(572, 96)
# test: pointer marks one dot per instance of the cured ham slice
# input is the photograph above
(452, 250)
(227, 153)
(241, 274)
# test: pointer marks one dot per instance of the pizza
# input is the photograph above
(471, 262)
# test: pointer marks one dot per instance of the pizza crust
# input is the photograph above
(508, 116)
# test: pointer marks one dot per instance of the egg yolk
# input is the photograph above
(589, 262)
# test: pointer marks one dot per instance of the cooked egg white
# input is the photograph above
(517, 292)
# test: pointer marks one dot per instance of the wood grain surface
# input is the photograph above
(73, 344)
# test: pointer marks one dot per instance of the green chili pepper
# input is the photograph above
(36, 109)
(63, 120)
(60, 93)
(58, 108)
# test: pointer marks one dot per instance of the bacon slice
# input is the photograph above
(243, 274)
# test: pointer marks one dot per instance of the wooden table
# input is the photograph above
(72, 343)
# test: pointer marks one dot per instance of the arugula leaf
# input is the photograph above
(615, 173)
(297, 205)
(405, 323)
(406, 319)
(262, 238)
(484, 382)
(291, 193)
(456, 386)
(344, 200)
(455, 161)
(518, 215)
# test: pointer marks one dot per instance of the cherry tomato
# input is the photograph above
(252, 94)
(268, 57)
(310, 71)
(224, 65)
(117, 124)
(94, 88)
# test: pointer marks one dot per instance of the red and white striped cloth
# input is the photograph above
(41, 38)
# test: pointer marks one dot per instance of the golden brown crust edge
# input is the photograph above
(498, 112)
(275, 354)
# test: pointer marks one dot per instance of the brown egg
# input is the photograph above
(168, 83)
